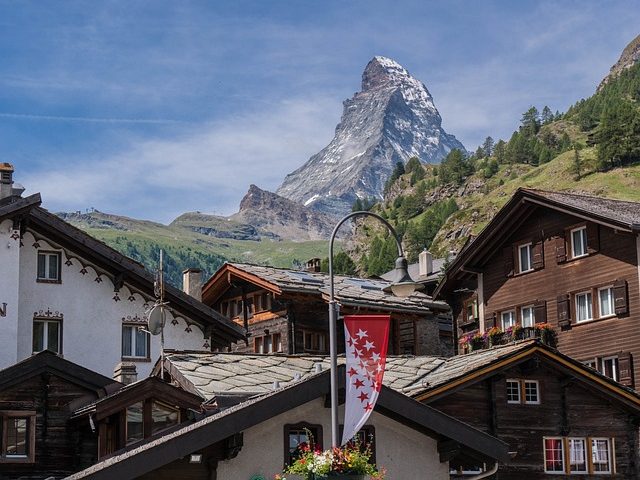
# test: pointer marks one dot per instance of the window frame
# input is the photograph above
(529, 247)
(524, 388)
(318, 440)
(615, 367)
(589, 294)
(611, 302)
(46, 278)
(30, 416)
(610, 458)
(259, 343)
(562, 455)
(46, 321)
(133, 357)
(514, 319)
(518, 389)
(588, 451)
(533, 315)
(585, 452)
(583, 239)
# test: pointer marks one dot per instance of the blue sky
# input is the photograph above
(153, 108)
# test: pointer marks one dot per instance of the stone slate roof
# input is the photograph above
(350, 291)
(237, 373)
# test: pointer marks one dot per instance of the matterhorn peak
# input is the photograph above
(391, 120)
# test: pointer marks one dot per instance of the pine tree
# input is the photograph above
(576, 168)
(500, 151)
(530, 122)
(547, 115)
(488, 146)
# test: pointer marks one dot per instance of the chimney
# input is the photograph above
(125, 372)
(425, 260)
(192, 283)
(313, 265)
(6, 180)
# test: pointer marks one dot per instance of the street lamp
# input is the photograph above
(401, 286)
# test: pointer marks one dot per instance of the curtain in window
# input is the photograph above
(577, 449)
(600, 455)
(584, 306)
(53, 267)
(126, 341)
(141, 343)
(42, 266)
(553, 455)
(606, 305)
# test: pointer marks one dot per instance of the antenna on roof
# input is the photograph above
(156, 316)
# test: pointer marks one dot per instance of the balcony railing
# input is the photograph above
(472, 342)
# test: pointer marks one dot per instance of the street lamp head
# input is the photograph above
(402, 285)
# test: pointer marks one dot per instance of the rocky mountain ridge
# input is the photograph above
(391, 119)
(629, 57)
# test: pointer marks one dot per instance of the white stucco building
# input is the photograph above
(63, 290)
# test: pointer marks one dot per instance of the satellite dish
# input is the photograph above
(156, 320)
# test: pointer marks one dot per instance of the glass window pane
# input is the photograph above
(606, 302)
(600, 455)
(527, 317)
(525, 258)
(508, 320)
(141, 343)
(126, 340)
(53, 266)
(163, 417)
(268, 344)
(53, 336)
(577, 455)
(38, 336)
(134, 422)
(579, 242)
(42, 265)
(583, 307)
(531, 392)
(513, 391)
(17, 437)
(554, 455)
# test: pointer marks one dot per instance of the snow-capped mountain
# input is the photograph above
(392, 119)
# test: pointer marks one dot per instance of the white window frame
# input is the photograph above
(609, 455)
(134, 329)
(518, 389)
(562, 454)
(45, 334)
(47, 278)
(537, 389)
(615, 364)
(529, 248)
(570, 443)
(583, 242)
(612, 313)
(589, 295)
(591, 363)
(533, 315)
(512, 315)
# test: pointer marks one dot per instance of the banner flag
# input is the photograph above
(366, 339)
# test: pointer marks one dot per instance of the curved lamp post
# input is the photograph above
(401, 286)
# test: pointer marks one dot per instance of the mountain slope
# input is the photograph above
(390, 120)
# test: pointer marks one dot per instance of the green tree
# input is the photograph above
(499, 151)
(488, 146)
(546, 116)
(454, 168)
(576, 167)
(342, 265)
(398, 171)
(530, 122)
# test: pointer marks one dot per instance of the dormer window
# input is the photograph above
(49, 266)
(579, 242)
(525, 256)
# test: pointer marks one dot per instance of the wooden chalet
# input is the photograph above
(287, 310)
(412, 440)
(567, 260)
(559, 417)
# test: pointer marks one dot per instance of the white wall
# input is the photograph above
(9, 292)
(405, 453)
(92, 318)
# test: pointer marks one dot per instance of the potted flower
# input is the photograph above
(547, 334)
(350, 462)
(517, 332)
(477, 342)
(494, 336)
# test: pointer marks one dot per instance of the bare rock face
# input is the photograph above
(271, 213)
(630, 56)
(391, 120)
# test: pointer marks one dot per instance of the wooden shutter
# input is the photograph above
(540, 312)
(620, 297)
(625, 368)
(507, 254)
(537, 254)
(593, 237)
(564, 310)
(561, 249)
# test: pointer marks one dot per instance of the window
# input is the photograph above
(553, 455)
(296, 435)
(531, 395)
(577, 455)
(135, 342)
(591, 364)
(605, 302)
(601, 455)
(268, 344)
(315, 342)
(18, 437)
(528, 316)
(525, 258)
(513, 391)
(135, 422)
(49, 267)
(579, 242)
(471, 310)
(508, 319)
(610, 367)
(584, 309)
(579, 450)
(47, 335)
(163, 417)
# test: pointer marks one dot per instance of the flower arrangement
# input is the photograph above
(477, 341)
(494, 336)
(546, 333)
(313, 463)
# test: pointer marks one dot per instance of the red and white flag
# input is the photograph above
(366, 338)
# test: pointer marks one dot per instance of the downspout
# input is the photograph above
(493, 470)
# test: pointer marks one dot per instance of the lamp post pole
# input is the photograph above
(401, 279)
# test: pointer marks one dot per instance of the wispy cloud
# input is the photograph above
(59, 118)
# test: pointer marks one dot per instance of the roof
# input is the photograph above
(49, 362)
(414, 272)
(121, 267)
(349, 291)
(172, 446)
(456, 372)
(618, 214)
(211, 374)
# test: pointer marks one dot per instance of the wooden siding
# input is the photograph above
(566, 408)
(616, 259)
